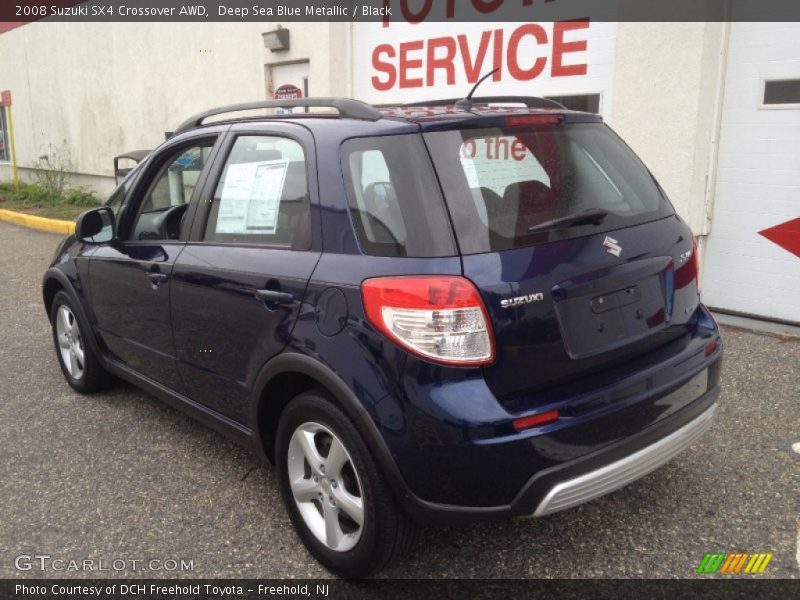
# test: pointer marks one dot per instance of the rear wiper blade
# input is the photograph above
(592, 216)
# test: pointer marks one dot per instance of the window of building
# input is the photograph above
(582, 102)
(786, 91)
(5, 148)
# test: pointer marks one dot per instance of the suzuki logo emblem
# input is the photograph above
(612, 246)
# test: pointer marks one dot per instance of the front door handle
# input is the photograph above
(274, 296)
(157, 278)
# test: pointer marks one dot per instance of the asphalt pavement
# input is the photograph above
(120, 476)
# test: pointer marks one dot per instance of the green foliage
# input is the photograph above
(80, 196)
(53, 168)
(50, 193)
(37, 199)
(35, 194)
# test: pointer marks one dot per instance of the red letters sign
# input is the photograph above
(287, 92)
(413, 64)
(5, 97)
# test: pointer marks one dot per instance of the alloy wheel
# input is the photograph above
(70, 343)
(326, 486)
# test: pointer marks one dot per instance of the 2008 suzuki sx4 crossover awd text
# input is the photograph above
(419, 314)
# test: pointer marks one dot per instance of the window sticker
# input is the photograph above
(251, 196)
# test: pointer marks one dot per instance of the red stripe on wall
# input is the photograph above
(6, 27)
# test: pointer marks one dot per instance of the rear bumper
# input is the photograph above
(581, 480)
(454, 455)
(600, 481)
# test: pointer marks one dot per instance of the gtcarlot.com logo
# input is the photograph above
(45, 562)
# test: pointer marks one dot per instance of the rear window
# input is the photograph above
(500, 182)
(395, 202)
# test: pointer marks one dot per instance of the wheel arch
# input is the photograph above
(55, 281)
(50, 287)
(291, 373)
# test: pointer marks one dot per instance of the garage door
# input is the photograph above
(752, 260)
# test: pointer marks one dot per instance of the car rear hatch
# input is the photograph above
(579, 257)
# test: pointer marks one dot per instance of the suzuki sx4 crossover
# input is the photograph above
(419, 314)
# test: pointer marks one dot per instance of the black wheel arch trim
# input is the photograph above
(418, 509)
(66, 286)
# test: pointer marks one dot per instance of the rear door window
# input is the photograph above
(500, 182)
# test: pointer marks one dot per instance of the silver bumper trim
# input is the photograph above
(573, 492)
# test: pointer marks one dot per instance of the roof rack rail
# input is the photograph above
(529, 101)
(353, 109)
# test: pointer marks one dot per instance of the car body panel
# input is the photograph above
(223, 332)
(562, 333)
(132, 310)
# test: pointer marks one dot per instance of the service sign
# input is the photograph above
(288, 92)
(400, 60)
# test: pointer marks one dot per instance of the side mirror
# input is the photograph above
(96, 226)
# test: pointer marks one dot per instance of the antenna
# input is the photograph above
(466, 103)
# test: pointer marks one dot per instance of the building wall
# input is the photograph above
(95, 90)
(667, 96)
(100, 89)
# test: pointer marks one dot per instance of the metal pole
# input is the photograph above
(13, 148)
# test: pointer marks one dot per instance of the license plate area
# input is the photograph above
(595, 323)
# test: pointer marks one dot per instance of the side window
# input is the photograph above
(395, 202)
(162, 209)
(176, 183)
(376, 198)
(262, 195)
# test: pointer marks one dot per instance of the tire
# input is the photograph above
(78, 362)
(311, 425)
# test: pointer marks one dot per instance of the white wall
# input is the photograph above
(666, 105)
(110, 87)
(106, 88)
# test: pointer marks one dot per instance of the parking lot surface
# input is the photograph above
(120, 476)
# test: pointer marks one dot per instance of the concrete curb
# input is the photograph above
(34, 222)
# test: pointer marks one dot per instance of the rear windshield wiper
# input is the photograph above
(592, 216)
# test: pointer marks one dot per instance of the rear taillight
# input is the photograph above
(690, 270)
(439, 318)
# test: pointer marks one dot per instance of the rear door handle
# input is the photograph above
(274, 297)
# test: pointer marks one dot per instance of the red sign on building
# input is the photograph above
(288, 92)
(786, 235)
(5, 97)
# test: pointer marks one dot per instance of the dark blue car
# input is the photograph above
(418, 314)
